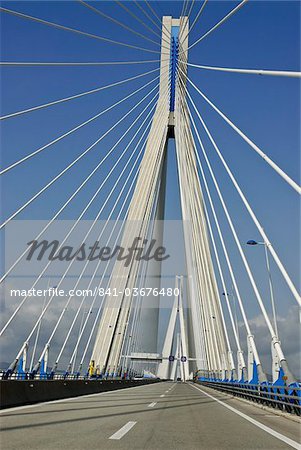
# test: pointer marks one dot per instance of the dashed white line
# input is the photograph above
(125, 429)
(268, 430)
(151, 405)
(162, 395)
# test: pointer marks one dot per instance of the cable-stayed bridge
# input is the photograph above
(119, 294)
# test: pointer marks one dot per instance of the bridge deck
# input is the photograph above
(159, 416)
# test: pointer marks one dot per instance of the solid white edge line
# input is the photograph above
(265, 428)
(51, 402)
(125, 429)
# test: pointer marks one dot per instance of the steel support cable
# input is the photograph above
(263, 155)
(84, 325)
(252, 214)
(127, 346)
(276, 73)
(50, 183)
(180, 152)
(196, 19)
(256, 357)
(202, 286)
(72, 97)
(100, 283)
(190, 9)
(205, 341)
(73, 30)
(97, 11)
(88, 233)
(106, 223)
(216, 252)
(66, 271)
(274, 337)
(96, 319)
(67, 133)
(97, 63)
(218, 24)
(77, 221)
(236, 336)
(161, 29)
(211, 280)
(126, 332)
(158, 18)
(98, 264)
(188, 13)
(152, 169)
(232, 229)
(203, 275)
(137, 18)
(57, 214)
(125, 343)
(125, 304)
(150, 193)
(99, 350)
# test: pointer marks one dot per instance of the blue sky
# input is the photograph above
(264, 35)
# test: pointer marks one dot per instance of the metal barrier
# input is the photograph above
(283, 398)
(51, 376)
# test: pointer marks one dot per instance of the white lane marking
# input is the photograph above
(52, 402)
(151, 405)
(162, 395)
(125, 429)
(268, 430)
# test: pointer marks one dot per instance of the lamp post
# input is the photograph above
(265, 244)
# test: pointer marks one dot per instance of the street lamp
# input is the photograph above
(265, 244)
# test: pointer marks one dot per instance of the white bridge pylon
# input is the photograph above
(203, 334)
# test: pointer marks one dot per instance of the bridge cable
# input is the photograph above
(195, 20)
(97, 11)
(52, 220)
(158, 18)
(161, 29)
(275, 339)
(100, 235)
(110, 215)
(218, 305)
(96, 319)
(276, 73)
(59, 138)
(73, 30)
(81, 215)
(73, 63)
(70, 231)
(108, 263)
(51, 182)
(72, 97)
(264, 156)
(137, 18)
(236, 336)
(224, 19)
(251, 212)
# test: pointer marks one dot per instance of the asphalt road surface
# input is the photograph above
(159, 416)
